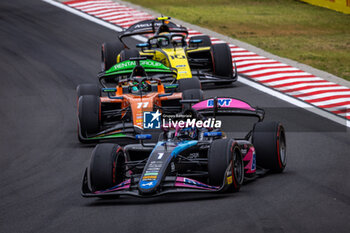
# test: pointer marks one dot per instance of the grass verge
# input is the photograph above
(288, 28)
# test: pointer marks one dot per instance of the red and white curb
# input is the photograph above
(273, 74)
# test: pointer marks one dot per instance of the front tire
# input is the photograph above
(192, 94)
(126, 54)
(107, 166)
(222, 61)
(189, 83)
(109, 54)
(89, 112)
(269, 141)
(225, 158)
(88, 89)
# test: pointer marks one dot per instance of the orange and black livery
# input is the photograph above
(130, 88)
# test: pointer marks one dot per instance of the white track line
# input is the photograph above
(291, 87)
(292, 80)
(245, 81)
(265, 66)
(311, 89)
(327, 94)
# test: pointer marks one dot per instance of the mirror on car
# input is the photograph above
(195, 42)
(142, 46)
(143, 136)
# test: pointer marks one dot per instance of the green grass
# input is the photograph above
(288, 28)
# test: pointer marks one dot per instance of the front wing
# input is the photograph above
(170, 184)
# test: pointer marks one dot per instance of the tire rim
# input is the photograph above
(238, 167)
(282, 149)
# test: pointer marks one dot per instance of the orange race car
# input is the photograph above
(138, 94)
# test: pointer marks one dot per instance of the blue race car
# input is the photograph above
(189, 158)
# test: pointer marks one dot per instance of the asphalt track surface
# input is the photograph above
(45, 53)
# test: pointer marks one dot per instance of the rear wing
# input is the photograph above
(127, 67)
(151, 68)
(151, 26)
(228, 106)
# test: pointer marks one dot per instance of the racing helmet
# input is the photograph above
(163, 40)
(163, 29)
(190, 133)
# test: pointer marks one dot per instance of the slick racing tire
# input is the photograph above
(109, 54)
(126, 54)
(188, 83)
(224, 156)
(89, 113)
(206, 42)
(222, 60)
(107, 166)
(269, 141)
(88, 89)
(192, 94)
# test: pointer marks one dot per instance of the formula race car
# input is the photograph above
(118, 114)
(211, 63)
(189, 158)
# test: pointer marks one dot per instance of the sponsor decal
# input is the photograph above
(147, 184)
(149, 178)
(155, 165)
(196, 183)
(142, 105)
(131, 64)
(254, 162)
(193, 155)
(151, 120)
(145, 25)
(221, 102)
(151, 174)
(189, 181)
(153, 168)
(191, 123)
(229, 180)
(177, 57)
(160, 155)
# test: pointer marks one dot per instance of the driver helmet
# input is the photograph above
(188, 133)
(135, 87)
(162, 41)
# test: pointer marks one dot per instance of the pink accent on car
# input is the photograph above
(249, 154)
(190, 183)
(249, 157)
(223, 102)
(122, 185)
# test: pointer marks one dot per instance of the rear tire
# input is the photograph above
(206, 42)
(107, 166)
(89, 115)
(109, 54)
(222, 60)
(269, 141)
(126, 54)
(225, 155)
(88, 89)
